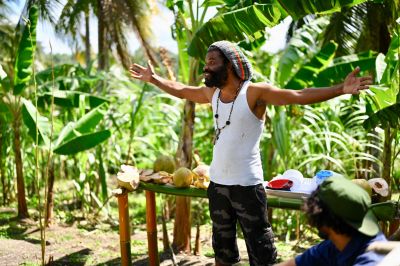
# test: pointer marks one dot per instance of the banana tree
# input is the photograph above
(12, 87)
(244, 20)
(75, 137)
(383, 107)
(304, 63)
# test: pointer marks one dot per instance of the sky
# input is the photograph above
(161, 26)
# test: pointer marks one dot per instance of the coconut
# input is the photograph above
(380, 186)
(183, 177)
(202, 170)
(364, 184)
(128, 177)
(201, 183)
(164, 163)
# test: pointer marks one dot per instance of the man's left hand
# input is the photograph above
(353, 84)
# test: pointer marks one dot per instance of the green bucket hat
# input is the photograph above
(350, 202)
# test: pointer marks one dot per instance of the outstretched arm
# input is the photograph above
(351, 85)
(192, 93)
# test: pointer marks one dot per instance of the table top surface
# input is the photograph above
(275, 198)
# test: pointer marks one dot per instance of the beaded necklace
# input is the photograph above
(228, 121)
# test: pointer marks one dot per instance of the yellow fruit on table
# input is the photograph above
(183, 177)
(201, 183)
(202, 170)
(164, 163)
(364, 184)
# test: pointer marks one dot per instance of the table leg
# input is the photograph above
(151, 228)
(124, 231)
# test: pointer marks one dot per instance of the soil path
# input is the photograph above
(77, 245)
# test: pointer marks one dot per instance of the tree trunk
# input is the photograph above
(87, 38)
(50, 195)
(102, 36)
(121, 50)
(184, 156)
(182, 225)
(166, 243)
(197, 246)
(22, 207)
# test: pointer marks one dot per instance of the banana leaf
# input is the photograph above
(392, 60)
(277, 202)
(254, 45)
(29, 114)
(387, 117)
(342, 66)
(181, 37)
(3, 107)
(235, 26)
(25, 53)
(380, 97)
(82, 142)
(383, 107)
(386, 211)
(387, 69)
(300, 8)
(71, 99)
(301, 47)
(83, 126)
(304, 77)
(59, 71)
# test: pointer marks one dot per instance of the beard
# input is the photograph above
(216, 78)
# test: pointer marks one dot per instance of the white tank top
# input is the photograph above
(236, 156)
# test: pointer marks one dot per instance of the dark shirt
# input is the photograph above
(354, 253)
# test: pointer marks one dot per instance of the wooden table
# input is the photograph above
(151, 189)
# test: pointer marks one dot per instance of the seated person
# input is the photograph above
(338, 208)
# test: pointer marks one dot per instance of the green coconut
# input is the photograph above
(183, 177)
(364, 184)
(164, 163)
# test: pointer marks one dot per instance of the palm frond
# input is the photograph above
(344, 28)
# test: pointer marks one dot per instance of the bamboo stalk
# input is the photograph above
(151, 228)
(124, 231)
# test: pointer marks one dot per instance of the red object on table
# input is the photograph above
(280, 184)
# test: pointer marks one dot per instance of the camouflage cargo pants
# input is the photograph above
(248, 205)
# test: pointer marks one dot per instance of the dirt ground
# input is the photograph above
(83, 244)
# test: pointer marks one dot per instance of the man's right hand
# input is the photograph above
(142, 73)
(192, 93)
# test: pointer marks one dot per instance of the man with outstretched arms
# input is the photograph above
(235, 192)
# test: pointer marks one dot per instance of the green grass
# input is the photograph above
(29, 263)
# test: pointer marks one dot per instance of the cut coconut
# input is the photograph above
(128, 178)
(380, 186)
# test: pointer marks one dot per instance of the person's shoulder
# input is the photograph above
(208, 91)
(369, 258)
(380, 237)
(319, 254)
(259, 85)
